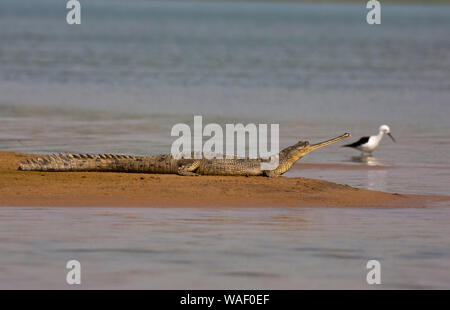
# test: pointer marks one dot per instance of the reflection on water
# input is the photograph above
(370, 160)
(295, 248)
(408, 179)
(377, 180)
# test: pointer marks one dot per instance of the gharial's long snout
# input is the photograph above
(316, 146)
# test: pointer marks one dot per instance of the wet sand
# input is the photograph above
(22, 188)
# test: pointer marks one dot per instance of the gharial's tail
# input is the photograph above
(79, 162)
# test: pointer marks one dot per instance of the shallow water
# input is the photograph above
(291, 248)
(119, 81)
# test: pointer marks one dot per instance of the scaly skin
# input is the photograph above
(167, 164)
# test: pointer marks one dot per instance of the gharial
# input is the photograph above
(168, 164)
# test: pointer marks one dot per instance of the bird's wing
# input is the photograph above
(360, 142)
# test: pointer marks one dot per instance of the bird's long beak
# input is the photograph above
(390, 136)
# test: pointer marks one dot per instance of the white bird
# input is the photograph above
(369, 144)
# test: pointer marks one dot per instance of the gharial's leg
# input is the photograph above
(188, 170)
(271, 174)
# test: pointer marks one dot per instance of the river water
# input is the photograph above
(282, 248)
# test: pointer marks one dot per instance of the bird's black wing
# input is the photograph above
(358, 143)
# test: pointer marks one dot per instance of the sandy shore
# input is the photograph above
(21, 188)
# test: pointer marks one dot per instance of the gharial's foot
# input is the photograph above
(189, 170)
(188, 173)
(271, 174)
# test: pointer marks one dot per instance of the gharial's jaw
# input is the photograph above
(291, 154)
(307, 148)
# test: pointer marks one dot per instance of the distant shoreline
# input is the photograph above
(94, 189)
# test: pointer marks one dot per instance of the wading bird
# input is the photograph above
(369, 144)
